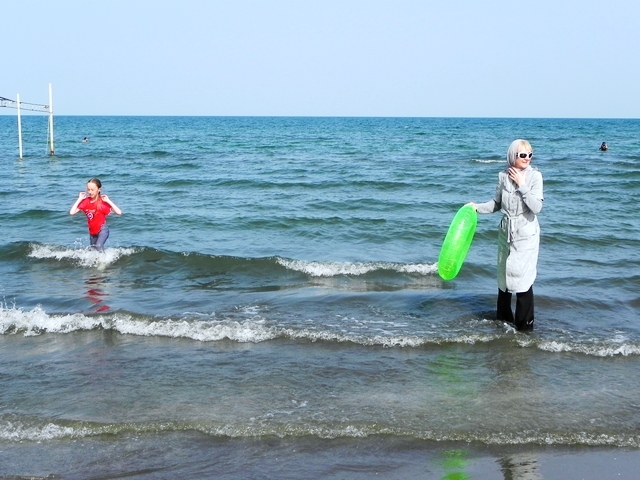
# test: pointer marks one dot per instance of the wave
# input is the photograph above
(331, 269)
(256, 329)
(35, 215)
(83, 257)
(20, 431)
(616, 346)
(89, 258)
(489, 160)
(156, 153)
(201, 327)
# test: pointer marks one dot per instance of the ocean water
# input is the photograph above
(268, 304)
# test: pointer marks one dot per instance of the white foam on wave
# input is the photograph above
(331, 269)
(83, 257)
(37, 321)
(618, 345)
(488, 160)
(19, 431)
(247, 331)
(251, 330)
(605, 349)
(552, 438)
(256, 329)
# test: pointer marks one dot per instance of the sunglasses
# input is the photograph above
(525, 155)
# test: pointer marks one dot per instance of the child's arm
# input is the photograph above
(74, 208)
(115, 208)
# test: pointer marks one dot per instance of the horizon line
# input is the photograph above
(330, 116)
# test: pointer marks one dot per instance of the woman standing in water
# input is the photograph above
(519, 197)
(96, 206)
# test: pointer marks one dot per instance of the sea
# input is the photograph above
(268, 303)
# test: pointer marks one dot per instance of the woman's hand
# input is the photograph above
(475, 207)
(516, 175)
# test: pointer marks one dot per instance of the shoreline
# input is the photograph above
(191, 454)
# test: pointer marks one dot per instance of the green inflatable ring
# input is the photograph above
(457, 242)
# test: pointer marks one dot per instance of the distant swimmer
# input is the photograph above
(85, 139)
(96, 207)
(604, 147)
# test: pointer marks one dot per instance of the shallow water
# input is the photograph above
(272, 287)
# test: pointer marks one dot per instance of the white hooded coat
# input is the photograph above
(519, 231)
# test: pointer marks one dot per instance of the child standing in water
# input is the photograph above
(96, 207)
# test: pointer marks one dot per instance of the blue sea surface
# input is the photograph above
(271, 292)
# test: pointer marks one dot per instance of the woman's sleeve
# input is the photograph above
(532, 195)
(492, 205)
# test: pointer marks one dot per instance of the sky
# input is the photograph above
(401, 58)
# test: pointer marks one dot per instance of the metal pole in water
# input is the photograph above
(19, 126)
(51, 149)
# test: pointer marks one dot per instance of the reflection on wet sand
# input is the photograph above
(454, 464)
(520, 466)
